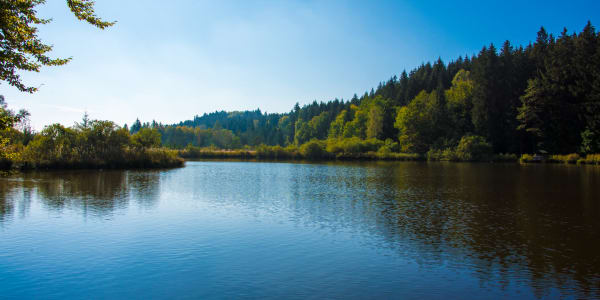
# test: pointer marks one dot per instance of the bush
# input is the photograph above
(276, 152)
(566, 159)
(473, 148)
(314, 149)
(434, 155)
(151, 158)
(398, 156)
(442, 155)
(590, 141)
(527, 158)
(192, 152)
(389, 147)
(505, 157)
(353, 146)
(591, 159)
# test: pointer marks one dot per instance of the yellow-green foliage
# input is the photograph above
(353, 145)
(336, 129)
(591, 159)
(573, 158)
(397, 156)
(314, 149)
(415, 123)
(473, 148)
(566, 159)
(442, 155)
(277, 152)
(527, 158)
(146, 138)
(470, 148)
(7, 153)
(94, 144)
(155, 157)
(192, 152)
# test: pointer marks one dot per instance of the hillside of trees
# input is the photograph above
(540, 98)
(502, 103)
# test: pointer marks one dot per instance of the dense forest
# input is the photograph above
(539, 98)
(542, 98)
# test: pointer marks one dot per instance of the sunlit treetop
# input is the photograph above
(20, 47)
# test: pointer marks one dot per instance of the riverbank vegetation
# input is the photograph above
(509, 104)
(89, 144)
(498, 105)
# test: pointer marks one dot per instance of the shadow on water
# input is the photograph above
(536, 224)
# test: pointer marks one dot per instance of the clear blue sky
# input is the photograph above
(171, 60)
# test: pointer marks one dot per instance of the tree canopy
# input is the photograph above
(21, 49)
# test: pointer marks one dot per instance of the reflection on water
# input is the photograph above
(519, 231)
(93, 193)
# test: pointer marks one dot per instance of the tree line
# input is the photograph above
(540, 98)
(501, 102)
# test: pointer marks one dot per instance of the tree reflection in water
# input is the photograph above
(537, 225)
(93, 193)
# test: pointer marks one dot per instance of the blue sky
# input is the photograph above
(171, 60)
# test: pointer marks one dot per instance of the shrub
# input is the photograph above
(389, 147)
(276, 152)
(353, 145)
(314, 149)
(473, 148)
(442, 155)
(527, 158)
(399, 156)
(592, 159)
(192, 152)
(567, 159)
(434, 155)
(505, 157)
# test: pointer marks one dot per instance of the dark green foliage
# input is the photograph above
(136, 126)
(590, 141)
(562, 99)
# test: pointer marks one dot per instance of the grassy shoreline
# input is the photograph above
(295, 153)
(156, 158)
(162, 158)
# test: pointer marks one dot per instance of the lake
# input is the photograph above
(301, 230)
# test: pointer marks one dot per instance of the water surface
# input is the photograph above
(289, 230)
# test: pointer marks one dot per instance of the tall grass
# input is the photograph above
(192, 152)
(573, 158)
(130, 158)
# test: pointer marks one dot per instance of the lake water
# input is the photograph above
(292, 230)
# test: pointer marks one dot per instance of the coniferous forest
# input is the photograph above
(503, 102)
(544, 96)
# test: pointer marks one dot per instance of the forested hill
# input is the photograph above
(544, 96)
